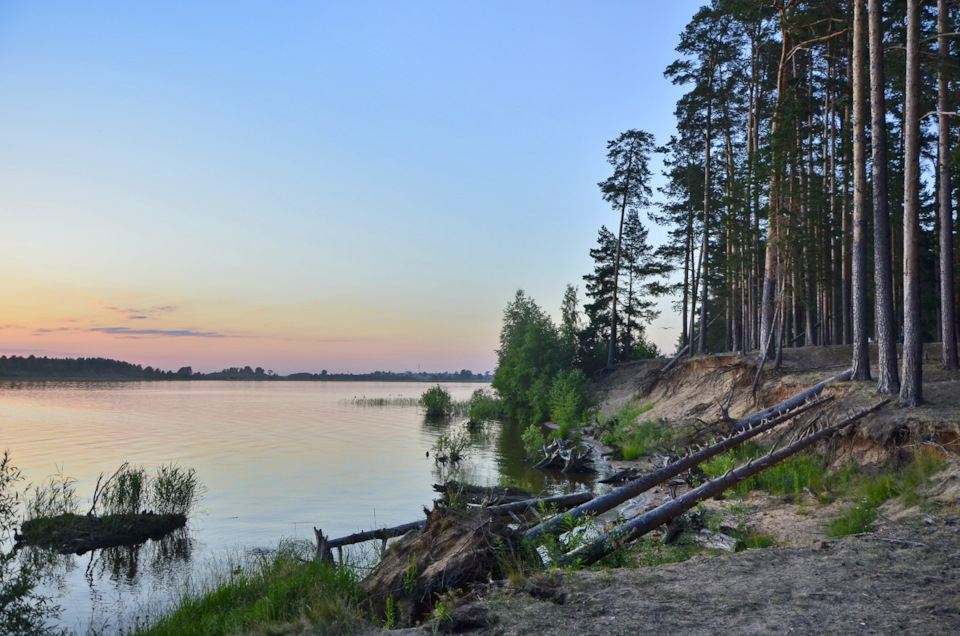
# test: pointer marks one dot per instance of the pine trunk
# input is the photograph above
(911, 391)
(948, 315)
(861, 354)
(888, 381)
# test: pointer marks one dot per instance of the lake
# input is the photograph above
(277, 460)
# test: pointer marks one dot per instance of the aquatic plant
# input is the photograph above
(56, 496)
(126, 491)
(175, 490)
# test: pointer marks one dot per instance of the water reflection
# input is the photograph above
(496, 456)
(164, 559)
(262, 450)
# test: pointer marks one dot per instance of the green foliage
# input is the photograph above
(645, 350)
(22, 611)
(436, 401)
(410, 575)
(533, 440)
(872, 491)
(858, 519)
(635, 438)
(484, 406)
(285, 591)
(569, 397)
(531, 354)
(789, 477)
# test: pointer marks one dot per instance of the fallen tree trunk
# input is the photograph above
(791, 403)
(325, 545)
(679, 355)
(559, 501)
(610, 541)
(619, 495)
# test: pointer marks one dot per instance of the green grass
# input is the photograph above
(872, 491)
(635, 438)
(283, 592)
(789, 477)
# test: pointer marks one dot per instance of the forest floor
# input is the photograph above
(903, 577)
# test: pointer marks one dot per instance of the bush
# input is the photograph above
(437, 401)
(569, 397)
(484, 406)
(533, 440)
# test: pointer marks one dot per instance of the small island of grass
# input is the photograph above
(127, 508)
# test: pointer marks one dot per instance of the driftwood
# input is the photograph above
(619, 495)
(610, 541)
(558, 456)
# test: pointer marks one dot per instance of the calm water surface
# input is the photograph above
(277, 459)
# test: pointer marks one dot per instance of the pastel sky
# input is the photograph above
(348, 186)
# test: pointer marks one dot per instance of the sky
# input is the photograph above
(350, 186)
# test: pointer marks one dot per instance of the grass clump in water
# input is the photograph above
(281, 592)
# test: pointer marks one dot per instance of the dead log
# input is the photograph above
(790, 403)
(561, 502)
(617, 496)
(610, 541)
(481, 494)
(369, 535)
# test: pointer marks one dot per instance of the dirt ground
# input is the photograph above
(903, 578)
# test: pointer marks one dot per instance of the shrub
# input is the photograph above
(437, 401)
(569, 397)
(533, 440)
(483, 406)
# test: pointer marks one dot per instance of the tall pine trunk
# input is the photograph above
(948, 309)
(911, 391)
(861, 354)
(889, 381)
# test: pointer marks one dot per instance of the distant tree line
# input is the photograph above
(33, 367)
(77, 368)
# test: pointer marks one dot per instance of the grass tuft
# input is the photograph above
(281, 592)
